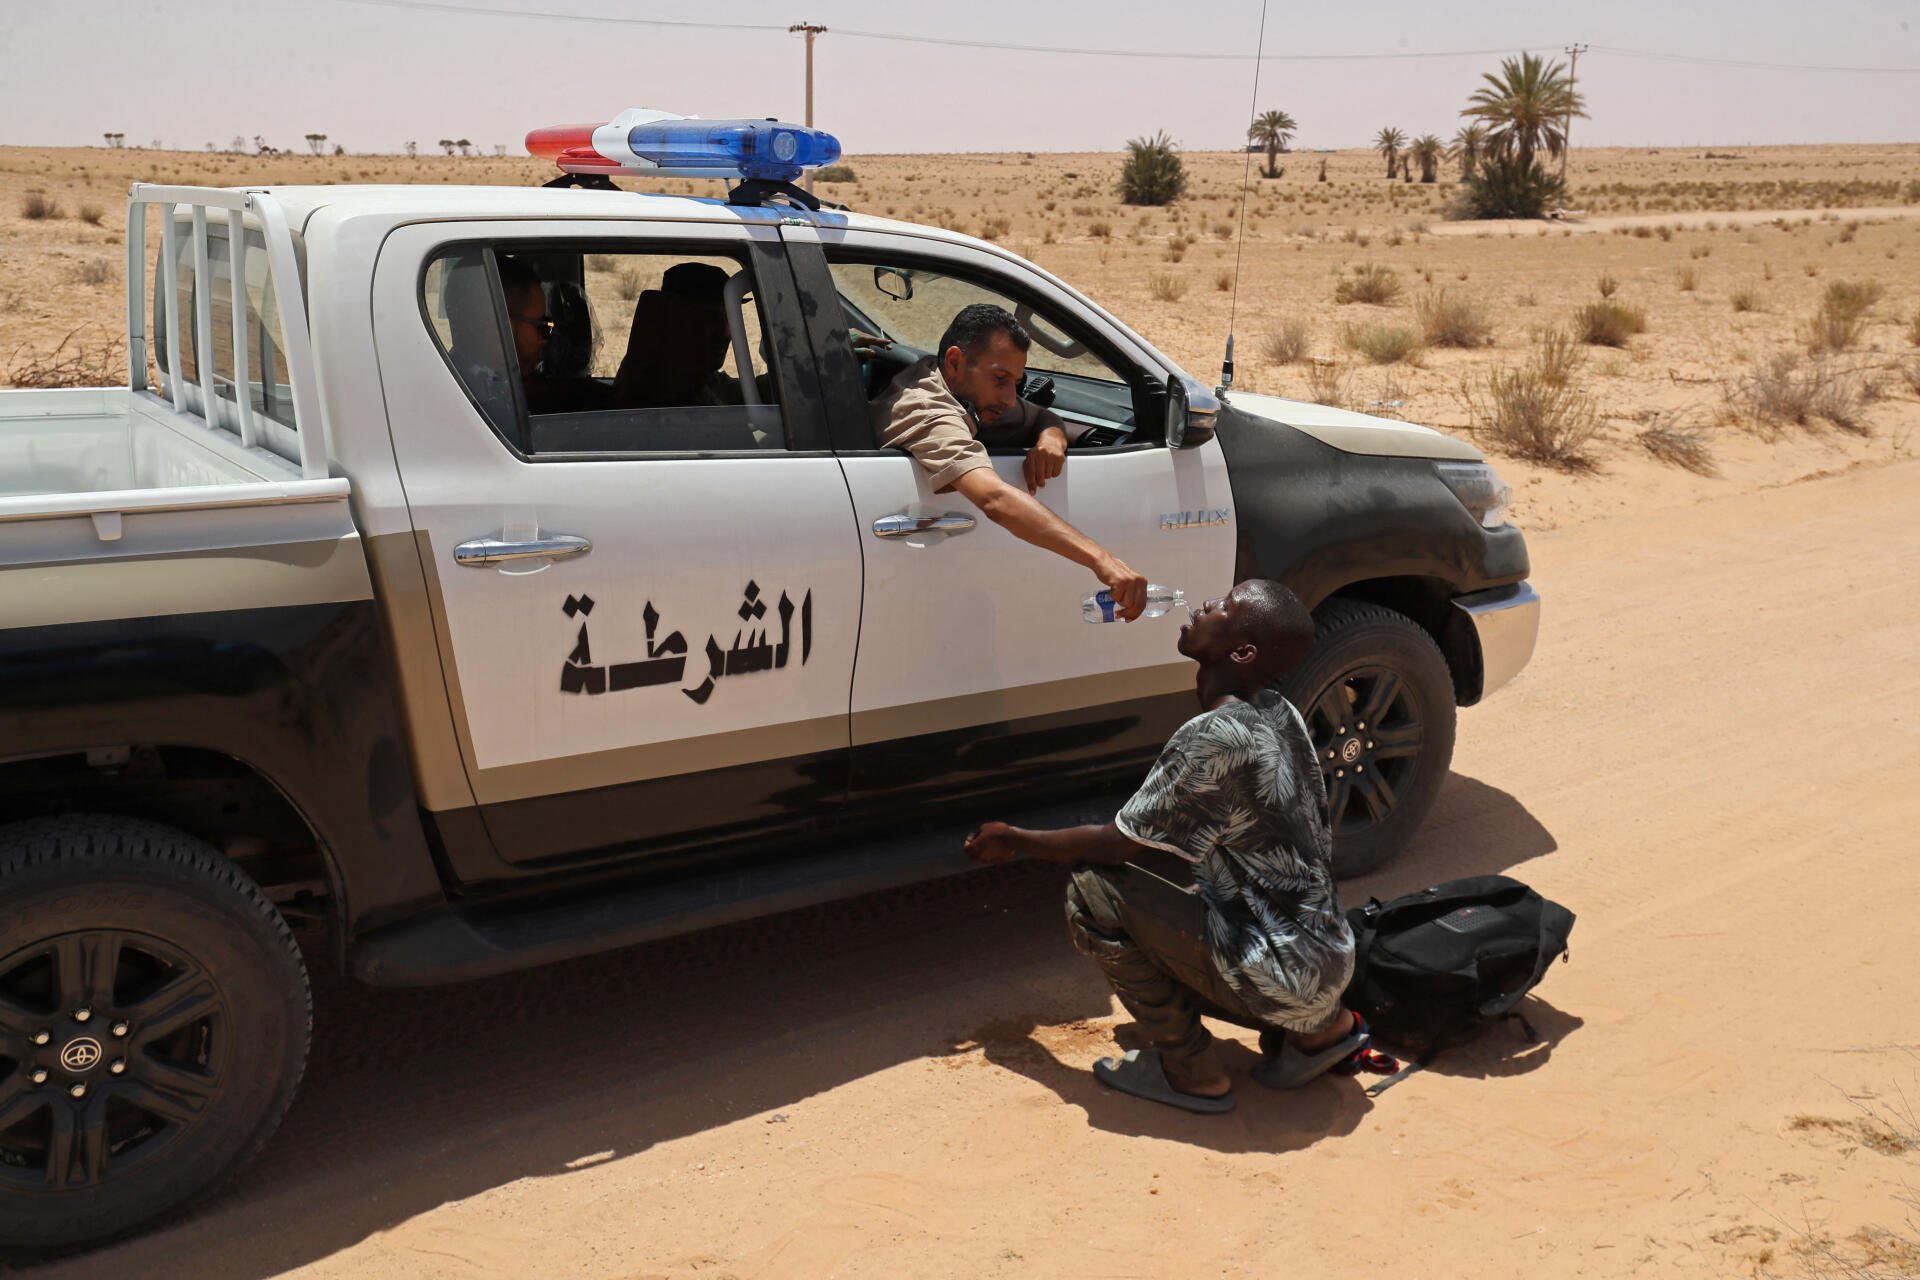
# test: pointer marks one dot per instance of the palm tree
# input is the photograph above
(1469, 144)
(1272, 130)
(1388, 142)
(1429, 151)
(1526, 107)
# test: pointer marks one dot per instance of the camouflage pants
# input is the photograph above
(1149, 936)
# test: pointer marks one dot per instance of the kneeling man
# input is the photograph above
(1260, 940)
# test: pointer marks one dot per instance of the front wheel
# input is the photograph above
(154, 1020)
(1378, 701)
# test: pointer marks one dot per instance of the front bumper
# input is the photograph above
(1505, 622)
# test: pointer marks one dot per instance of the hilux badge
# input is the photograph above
(1175, 520)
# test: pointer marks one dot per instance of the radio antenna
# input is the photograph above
(1246, 177)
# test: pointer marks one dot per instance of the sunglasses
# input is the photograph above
(543, 324)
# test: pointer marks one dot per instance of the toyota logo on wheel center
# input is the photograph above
(1350, 750)
(82, 1054)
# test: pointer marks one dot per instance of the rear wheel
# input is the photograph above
(1378, 701)
(154, 1020)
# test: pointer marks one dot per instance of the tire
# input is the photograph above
(1377, 697)
(126, 942)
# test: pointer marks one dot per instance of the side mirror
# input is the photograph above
(895, 282)
(1189, 424)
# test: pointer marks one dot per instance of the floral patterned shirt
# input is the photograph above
(1238, 793)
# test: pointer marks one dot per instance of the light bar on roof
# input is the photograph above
(658, 143)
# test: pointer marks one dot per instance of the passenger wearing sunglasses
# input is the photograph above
(527, 310)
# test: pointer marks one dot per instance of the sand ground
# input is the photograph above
(1710, 760)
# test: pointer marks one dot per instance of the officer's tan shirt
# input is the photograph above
(919, 414)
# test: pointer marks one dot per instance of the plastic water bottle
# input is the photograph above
(1099, 606)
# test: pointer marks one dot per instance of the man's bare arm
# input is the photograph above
(1104, 843)
(1026, 518)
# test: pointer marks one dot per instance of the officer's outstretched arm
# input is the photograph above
(1026, 518)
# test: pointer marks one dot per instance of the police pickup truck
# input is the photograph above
(490, 638)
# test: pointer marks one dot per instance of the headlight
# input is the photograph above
(1480, 490)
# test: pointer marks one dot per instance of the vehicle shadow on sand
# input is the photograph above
(414, 1099)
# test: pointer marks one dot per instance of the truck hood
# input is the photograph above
(1355, 432)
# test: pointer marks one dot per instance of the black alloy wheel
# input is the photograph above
(154, 1022)
(1377, 698)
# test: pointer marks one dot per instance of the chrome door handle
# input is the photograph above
(481, 552)
(905, 526)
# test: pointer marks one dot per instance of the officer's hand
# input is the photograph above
(1046, 458)
(991, 844)
(1129, 588)
(865, 345)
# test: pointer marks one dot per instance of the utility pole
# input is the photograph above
(1566, 128)
(812, 30)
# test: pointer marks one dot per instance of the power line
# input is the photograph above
(447, 6)
(901, 37)
(1750, 65)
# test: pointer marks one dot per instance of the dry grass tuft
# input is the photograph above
(94, 271)
(1328, 384)
(1557, 356)
(1792, 392)
(1384, 343)
(1744, 298)
(1913, 328)
(1687, 278)
(1534, 414)
(37, 206)
(1287, 344)
(1678, 444)
(1608, 323)
(1453, 320)
(1841, 316)
(1608, 284)
(1165, 286)
(1370, 283)
(79, 361)
(632, 283)
(1222, 280)
(92, 214)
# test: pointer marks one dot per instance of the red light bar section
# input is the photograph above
(570, 147)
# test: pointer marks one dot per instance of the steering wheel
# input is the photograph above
(1065, 348)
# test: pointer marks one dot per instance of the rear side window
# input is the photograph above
(570, 351)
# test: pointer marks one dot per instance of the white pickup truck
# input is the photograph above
(491, 639)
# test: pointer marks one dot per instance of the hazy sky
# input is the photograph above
(372, 77)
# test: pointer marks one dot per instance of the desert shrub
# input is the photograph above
(1328, 384)
(1453, 320)
(835, 173)
(1153, 173)
(1286, 344)
(1608, 285)
(1852, 298)
(1222, 280)
(93, 272)
(1100, 229)
(1502, 189)
(1791, 391)
(1384, 343)
(1744, 298)
(1608, 323)
(1369, 282)
(602, 262)
(81, 360)
(37, 206)
(1557, 356)
(995, 227)
(1643, 233)
(1528, 414)
(1176, 250)
(1678, 444)
(1166, 286)
(631, 283)
(1836, 324)
(1688, 279)
(92, 214)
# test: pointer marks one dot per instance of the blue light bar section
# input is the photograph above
(768, 149)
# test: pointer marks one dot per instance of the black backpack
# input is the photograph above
(1434, 966)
